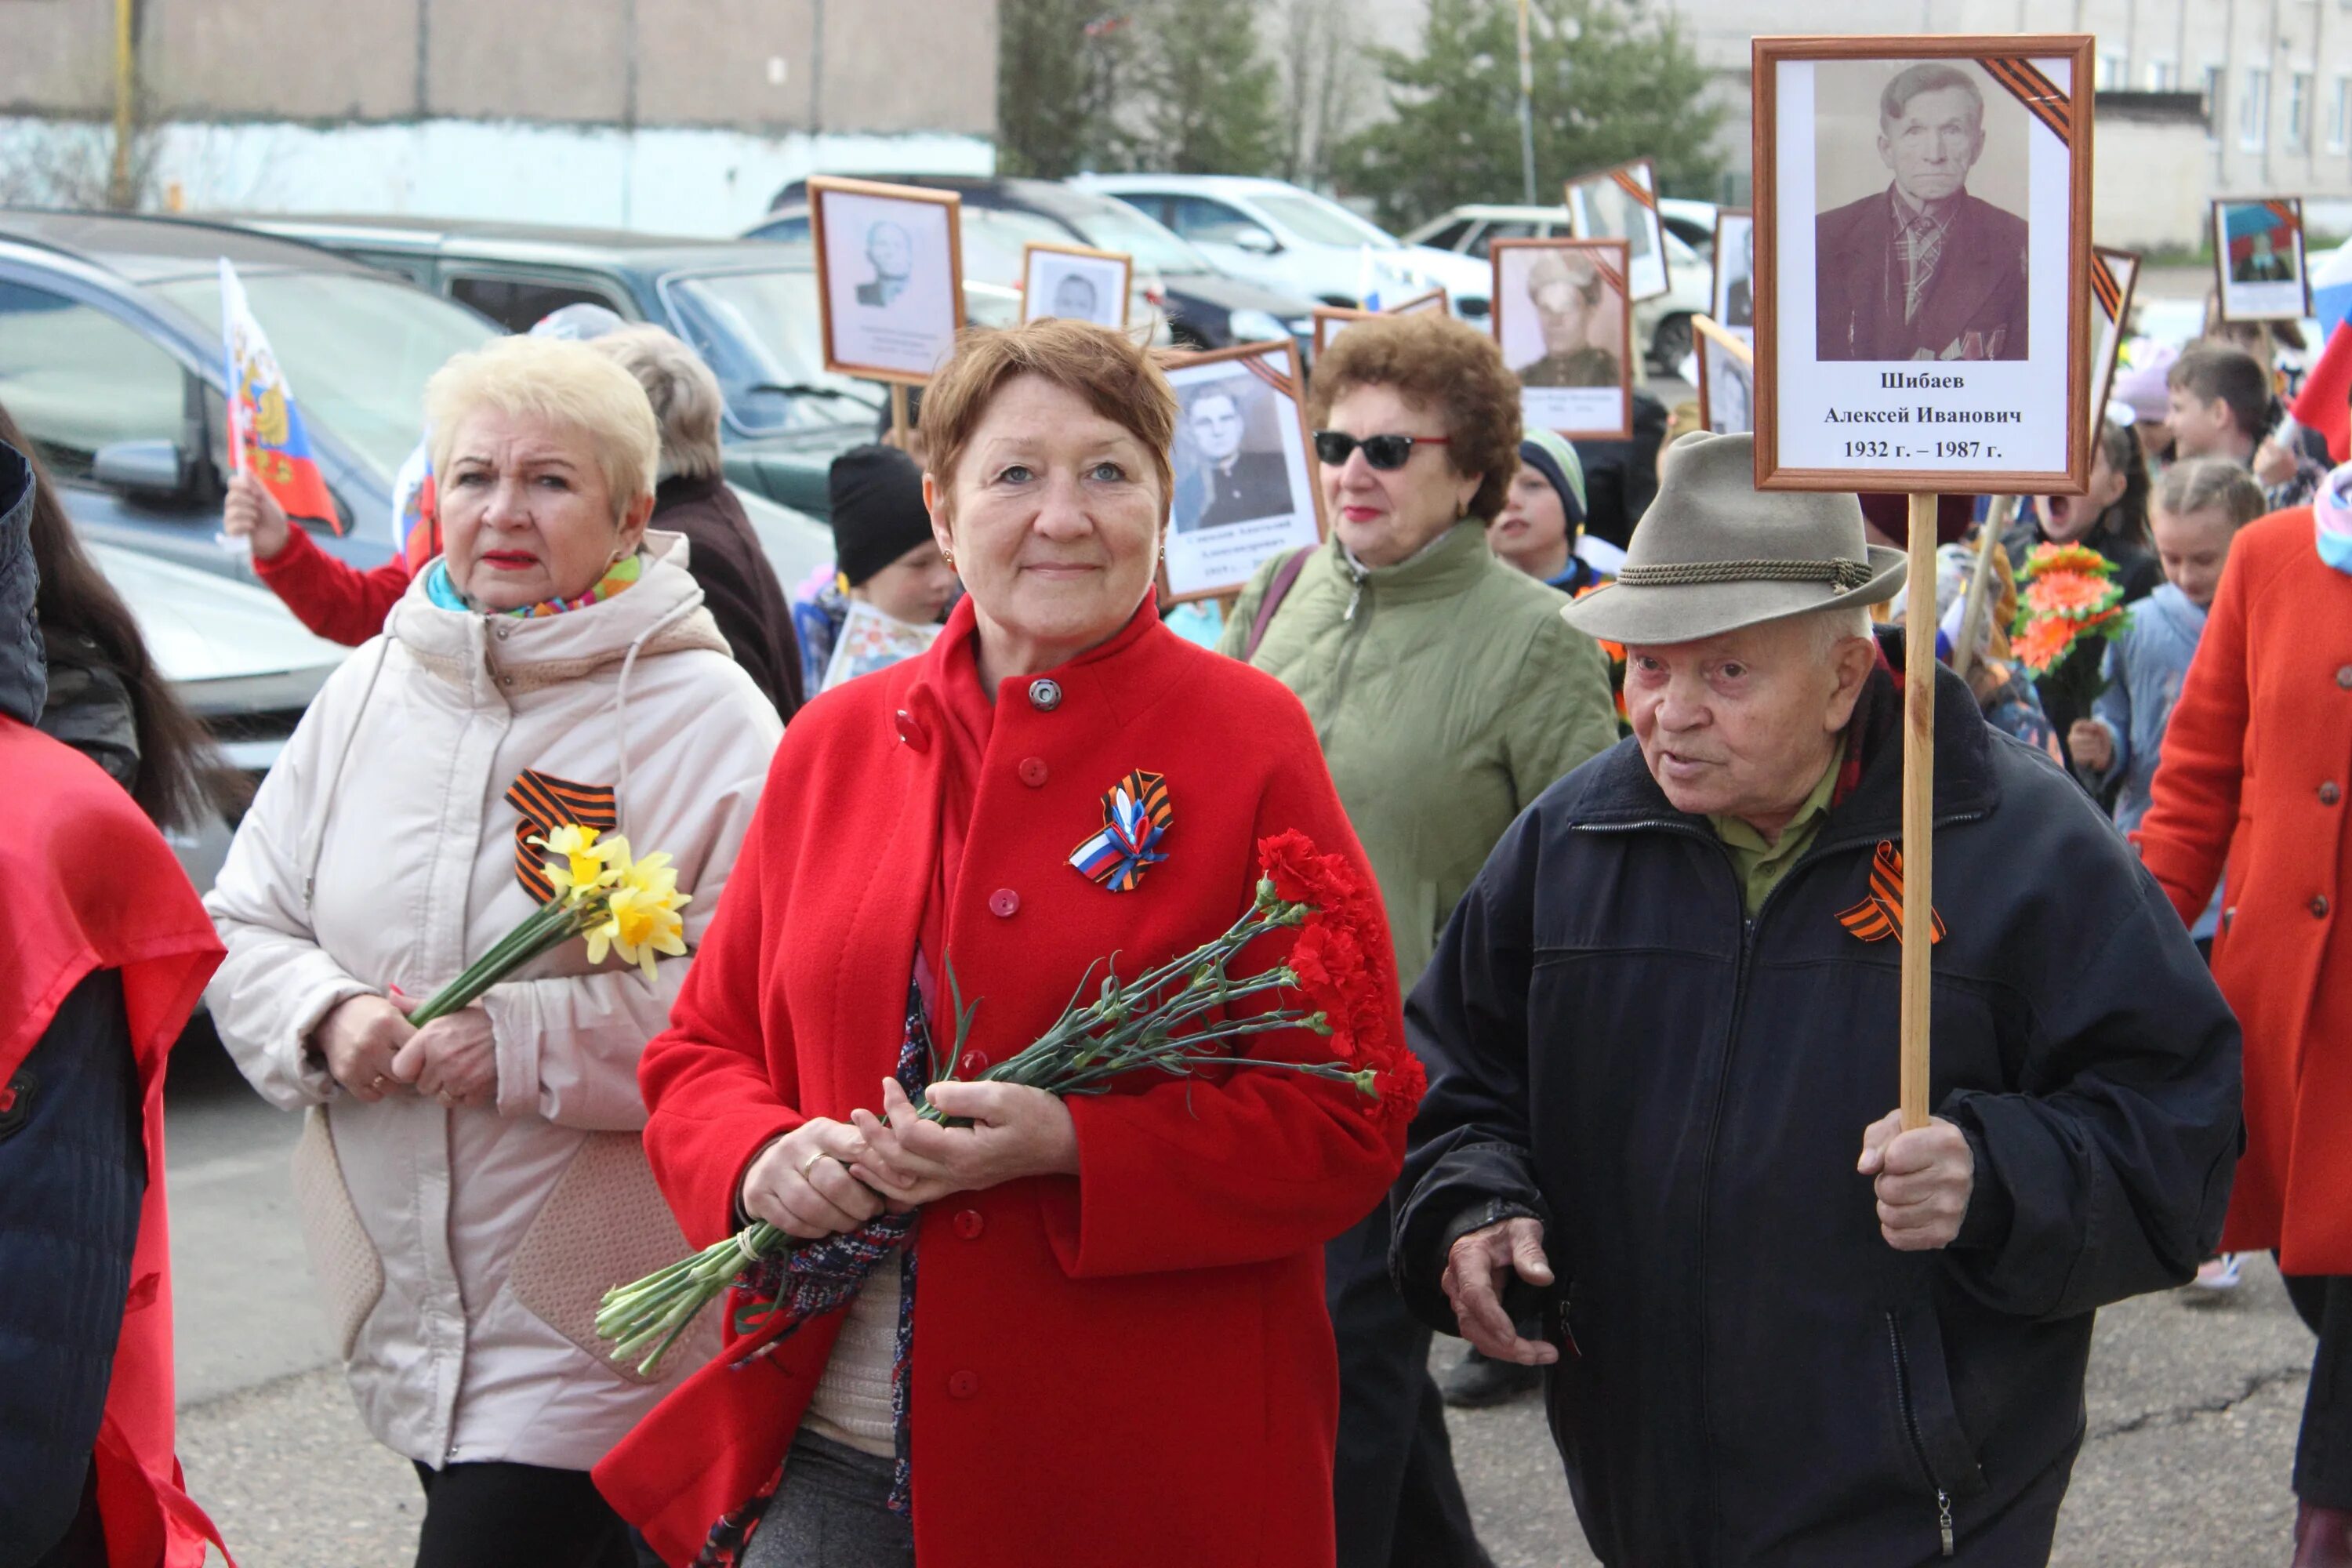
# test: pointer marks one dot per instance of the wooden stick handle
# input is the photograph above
(898, 415)
(1918, 809)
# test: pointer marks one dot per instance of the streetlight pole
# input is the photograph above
(1526, 109)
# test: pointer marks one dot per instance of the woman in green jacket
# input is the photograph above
(1448, 694)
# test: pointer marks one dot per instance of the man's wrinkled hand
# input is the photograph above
(1922, 1179)
(1477, 1269)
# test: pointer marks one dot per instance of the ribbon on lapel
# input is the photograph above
(1136, 817)
(547, 803)
(1880, 915)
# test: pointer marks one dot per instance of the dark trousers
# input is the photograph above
(1398, 1502)
(2323, 1454)
(499, 1515)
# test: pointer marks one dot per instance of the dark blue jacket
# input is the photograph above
(1679, 1093)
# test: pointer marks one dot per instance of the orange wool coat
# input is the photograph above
(1133, 1366)
(2251, 793)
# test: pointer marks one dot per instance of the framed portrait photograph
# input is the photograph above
(1244, 471)
(1922, 263)
(2112, 274)
(1731, 296)
(1330, 320)
(1076, 284)
(1563, 319)
(889, 270)
(2258, 259)
(1623, 203)
(1726, 378)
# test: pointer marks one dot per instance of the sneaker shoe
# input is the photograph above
(1479, 1382)
(2219, 1273)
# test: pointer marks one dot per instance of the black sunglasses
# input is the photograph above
(1383, 452)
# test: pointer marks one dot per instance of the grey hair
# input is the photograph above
(1928, 76)
(1836, 624)
(2196, 484)
(685, 395)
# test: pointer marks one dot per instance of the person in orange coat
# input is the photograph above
(1117, 1350)
(2255, 769)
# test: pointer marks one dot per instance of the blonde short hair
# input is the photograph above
(685, 395)
(569, 384)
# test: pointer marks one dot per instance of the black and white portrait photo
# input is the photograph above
(1919, 263)
(1244, 480)
(1733, 295)
(1623, 203)
(889, 270)
(1921, 266)
(1075, 284)
(1562, 319)
(2257, 255)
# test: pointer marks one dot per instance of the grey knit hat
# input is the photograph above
(1715, 553)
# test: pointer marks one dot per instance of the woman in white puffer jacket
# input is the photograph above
(470, 1189)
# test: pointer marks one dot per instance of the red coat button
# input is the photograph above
(1004, 903)
(1033, 771)
(970, 1223)
(963, 1385)
(911, 730)
(972, 1065)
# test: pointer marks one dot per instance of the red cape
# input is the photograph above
(93, 885)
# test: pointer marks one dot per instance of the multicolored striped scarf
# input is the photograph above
(619, 575)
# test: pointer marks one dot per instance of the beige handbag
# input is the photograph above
(605, 1223)
(349, 1270)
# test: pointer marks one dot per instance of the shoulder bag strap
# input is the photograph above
(1285, 577)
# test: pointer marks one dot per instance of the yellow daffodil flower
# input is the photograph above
(578, 865)
(641, 918)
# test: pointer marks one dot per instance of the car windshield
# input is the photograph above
(1318, 222)
(995, 242)
(760, 335)
(357, 350)
(1115, 225)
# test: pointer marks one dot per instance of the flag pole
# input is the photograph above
(1919, 810)
(898, 415)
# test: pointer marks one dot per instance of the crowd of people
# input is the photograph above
(1629, 798)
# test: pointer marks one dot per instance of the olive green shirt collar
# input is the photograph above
(1760, 865)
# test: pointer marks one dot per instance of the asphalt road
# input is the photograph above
(2193, 1399)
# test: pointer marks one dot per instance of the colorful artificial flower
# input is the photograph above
(2070, 593)
(2046, 558)
(2066, 595)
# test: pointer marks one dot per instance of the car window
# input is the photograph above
(518, 303)
(78, 379)
(1505, 228)
(1449, 236)
(1318, 222)
(759, 333)
(1110, 225)
(1210, 222)
(790, 228)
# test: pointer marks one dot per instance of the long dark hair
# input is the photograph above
(181, 772)
(2128, 516)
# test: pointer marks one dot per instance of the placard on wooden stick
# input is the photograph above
(1726, 378)
(1623, 203)
(889, 276)
(2260, 272)
(1561, 314)
(1075, 283)
(1245, 479)
(2114, 274)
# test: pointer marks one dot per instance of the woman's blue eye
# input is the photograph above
(1108, 471)
(1016, 473)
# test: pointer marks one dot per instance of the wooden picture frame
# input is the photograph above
(1705, 336)
(1841, 404)
(1436, 299)
(1098, 268)
(1546, 402)
(1637, 183)
(1732, 223)
(2114, 274)
(908, 349)
(1332, 320)
(1209, 557)
(2256, 299)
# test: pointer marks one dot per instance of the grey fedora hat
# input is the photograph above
(1714, 553)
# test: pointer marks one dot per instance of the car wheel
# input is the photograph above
(1670, 344)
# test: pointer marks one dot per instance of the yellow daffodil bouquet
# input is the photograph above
(619, 902)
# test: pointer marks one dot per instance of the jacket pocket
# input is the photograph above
(342, 1256)
(1931, 1424)
(605, 1223)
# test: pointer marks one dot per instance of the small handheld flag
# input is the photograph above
(266, 435)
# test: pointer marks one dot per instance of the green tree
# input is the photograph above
(1203, 93)
(1058, 68)
(1613, 80)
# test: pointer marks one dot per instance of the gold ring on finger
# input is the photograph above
(375, 1083)
(811, 1163)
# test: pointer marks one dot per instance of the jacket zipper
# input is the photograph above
(1355, 596)
(1345, 665)
(1918, 1441)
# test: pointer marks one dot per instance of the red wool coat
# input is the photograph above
(2257, 764)
(1130, 1367)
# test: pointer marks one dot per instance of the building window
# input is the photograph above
(2115, 73)
(2298, 110)
(2213, 87)
(2254, 111)
(2161, 77)
(2339, 115)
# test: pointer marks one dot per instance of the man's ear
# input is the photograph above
(1851, 661)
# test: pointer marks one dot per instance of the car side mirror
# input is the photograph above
(1256, 240)
(147, 470)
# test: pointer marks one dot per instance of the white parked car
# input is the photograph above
(1279, 236)
(1661, 325)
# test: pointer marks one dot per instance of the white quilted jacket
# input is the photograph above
(462, 1251)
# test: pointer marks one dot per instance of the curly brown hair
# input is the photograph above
(1115, 376)
(1434, 361)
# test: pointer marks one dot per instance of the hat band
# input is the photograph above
(1841, 575)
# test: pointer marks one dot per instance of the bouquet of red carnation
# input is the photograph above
(1176, 1019)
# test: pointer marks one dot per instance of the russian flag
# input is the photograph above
(266, 435)
(2324, 401)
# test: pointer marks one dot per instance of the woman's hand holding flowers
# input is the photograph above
(358, 1039)
(454, 1058)
(1015, 1131)
(801, 1184)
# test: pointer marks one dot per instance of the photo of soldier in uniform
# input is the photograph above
(1075, 284)
(1235, 483)
(1578, 315)
(1923, 267)
(1562, 321)
(1244, 476)
(891, 253)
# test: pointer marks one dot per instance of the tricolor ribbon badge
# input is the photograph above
(1880, 915)
(1136, 817)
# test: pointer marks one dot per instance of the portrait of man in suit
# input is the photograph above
(891, 251)
(2261, 263)
(1236, 485)
(1923, 269)
(1578, 314)
(1075, 298)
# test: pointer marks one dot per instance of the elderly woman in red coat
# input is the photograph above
(2257, 763)
(1118, 1351)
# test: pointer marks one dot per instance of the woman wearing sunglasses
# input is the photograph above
(1448, 693)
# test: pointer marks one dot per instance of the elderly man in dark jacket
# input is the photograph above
(1661, 1033)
